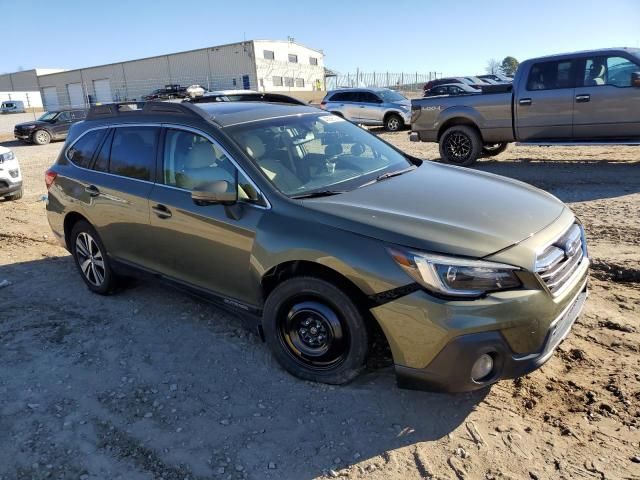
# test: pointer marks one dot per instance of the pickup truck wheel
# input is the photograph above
(460, 145)
(41, 137)
(315, 331)
(393, 123)
(493, 149)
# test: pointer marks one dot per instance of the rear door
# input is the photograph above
(346, 104)
(606, 105)
(203, 246)
(117, 188)
(544, 104)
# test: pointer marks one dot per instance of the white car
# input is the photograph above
(196, 91)
(10, 176)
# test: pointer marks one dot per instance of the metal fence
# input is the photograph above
(405, 82)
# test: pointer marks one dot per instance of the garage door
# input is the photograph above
(50, 95)
(103, 91)
(76, 96)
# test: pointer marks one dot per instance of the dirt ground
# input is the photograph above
(152, 384)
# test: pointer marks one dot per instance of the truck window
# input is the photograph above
(551, 75)
(614, 71)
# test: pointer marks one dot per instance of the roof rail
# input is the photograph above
(139, 108)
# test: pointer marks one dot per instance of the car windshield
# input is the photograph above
(302, 155)
(390, 96)
(48, 116)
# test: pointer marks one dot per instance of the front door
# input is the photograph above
(544, 106)
(203, 246)
(607, 106)
(61, 125)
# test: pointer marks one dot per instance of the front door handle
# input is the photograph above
(583, 98)
(525, 101)
(161, 211)
(92, 190)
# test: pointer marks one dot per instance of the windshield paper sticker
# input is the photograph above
(331, 119)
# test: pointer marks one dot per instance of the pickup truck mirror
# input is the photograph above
(219, 191)
(635, 79)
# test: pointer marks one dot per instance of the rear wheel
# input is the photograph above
(493, 149)
(393, 123)
(91, 259)
(315, 331)
(460, 145)
(41, 137)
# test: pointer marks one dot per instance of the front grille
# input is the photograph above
(560, 260)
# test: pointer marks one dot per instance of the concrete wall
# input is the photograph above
(25, 81)
(312, 76)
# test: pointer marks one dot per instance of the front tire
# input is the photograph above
(460, 145)
(493, 149)
(41, 137)
(315, 331)
(15, 195)
(393, 123)
(91, 258)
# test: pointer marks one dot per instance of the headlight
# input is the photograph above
(457, 277)
(5, 157)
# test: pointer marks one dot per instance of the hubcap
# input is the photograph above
(90, 259)
(394, 124)
(458, 146)
(42, 136)
(313, 335)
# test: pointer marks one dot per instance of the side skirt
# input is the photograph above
(250, 315)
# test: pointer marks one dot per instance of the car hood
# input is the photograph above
(443, 209)
(34, 122)
(402, 103)
(4, 150)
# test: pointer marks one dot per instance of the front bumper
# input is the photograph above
(22, 134)
(7, 187)
(449, 371)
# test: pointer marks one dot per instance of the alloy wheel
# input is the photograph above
(458, 147)
(393, 124)
(313, 335)
(42, 136)
(90, 259)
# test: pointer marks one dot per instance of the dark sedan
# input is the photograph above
(50, 126)
(451, 89)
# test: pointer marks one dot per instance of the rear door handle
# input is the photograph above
(161, 211)
(583, 98)
(92, 190)
(525, 101)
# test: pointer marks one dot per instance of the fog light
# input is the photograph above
(482, 368)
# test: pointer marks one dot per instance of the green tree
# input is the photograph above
(509, 66)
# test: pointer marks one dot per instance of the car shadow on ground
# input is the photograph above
(576, 180)
(152, 380)
(13, 143)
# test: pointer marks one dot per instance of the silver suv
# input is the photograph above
(370, 106)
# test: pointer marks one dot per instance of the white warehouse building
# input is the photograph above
(265, 65)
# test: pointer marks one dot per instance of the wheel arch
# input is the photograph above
(297, 268)
(69, 222)
(392, 112)
(458, 120)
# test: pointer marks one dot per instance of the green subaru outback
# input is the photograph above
(323, 234)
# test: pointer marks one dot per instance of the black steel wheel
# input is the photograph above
(315, 331)
(493, 149)
(460, 145)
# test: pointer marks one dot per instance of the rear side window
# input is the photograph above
(82, 151)
(133, 152)
(368, 97)
(78, 114)
(551, 76)
(345, 97)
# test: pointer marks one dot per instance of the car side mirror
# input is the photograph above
(216, 192)
(635, 79)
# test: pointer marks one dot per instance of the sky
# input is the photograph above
(452, 37)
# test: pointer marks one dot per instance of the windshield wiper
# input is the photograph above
(384, 176)
(320, 193)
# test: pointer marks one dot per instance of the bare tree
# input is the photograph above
(493, 66)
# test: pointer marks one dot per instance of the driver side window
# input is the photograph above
(192, 162)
